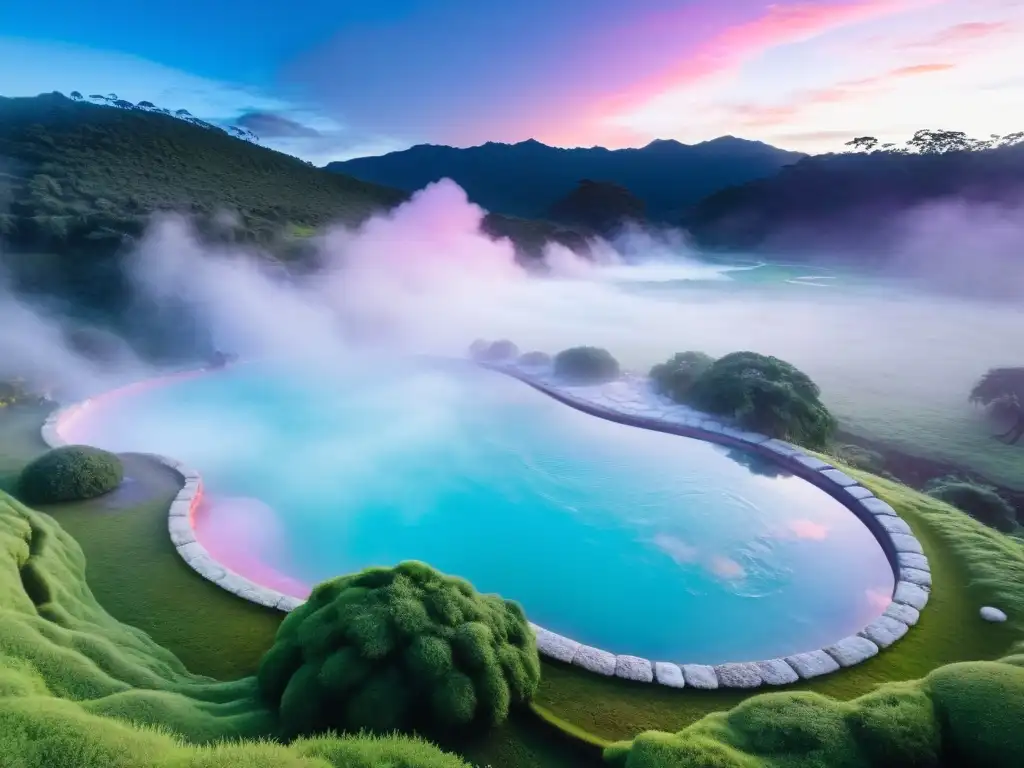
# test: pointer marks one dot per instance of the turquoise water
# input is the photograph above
(630, 540)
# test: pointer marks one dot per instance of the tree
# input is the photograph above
(765, 394)
(599, 205)
(586, 365)
(1001, 391)
(862, 144)
(76, 96)
(927, 141)
(676, 376)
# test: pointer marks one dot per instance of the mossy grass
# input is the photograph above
(70, 473)
(403, 648)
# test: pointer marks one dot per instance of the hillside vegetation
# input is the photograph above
(528, 178)
(856, 203)
(78, 181)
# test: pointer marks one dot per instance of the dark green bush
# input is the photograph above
(586, 365)
(676, 376)
(501, 350)
(535, 359)
(399, 649)
(978, 501)
(765, 394)
(70, 473)
(859, 457)
(965, 714)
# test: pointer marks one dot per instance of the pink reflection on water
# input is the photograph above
(240, 533)
(727, 568)
(808, 529)
(878, 600)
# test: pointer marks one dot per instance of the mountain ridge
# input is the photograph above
(527, 178)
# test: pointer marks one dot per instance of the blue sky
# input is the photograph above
(329, 80)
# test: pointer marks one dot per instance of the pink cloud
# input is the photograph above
(781, 24)
(967, 32)
(760, 116)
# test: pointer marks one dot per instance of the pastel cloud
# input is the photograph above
(808, 529)
(760, 116)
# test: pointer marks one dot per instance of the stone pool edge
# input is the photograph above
(910, 566)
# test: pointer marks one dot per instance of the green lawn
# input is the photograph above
(136, 575)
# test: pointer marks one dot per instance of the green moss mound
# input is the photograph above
(399, 648)
(70, 473)
(78, 688)
(675, 377)
(978, 501)
(765, 394)
(586, 365)
(965, 714)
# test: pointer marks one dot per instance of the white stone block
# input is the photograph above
(906, 543)
(852, 650)
(902, 612)
(668, 674)
(923, 579)
(811, 462)
(894, 525)
(738, 675)
(700, 676)
(911, 560)
(180, 530)
(839, 478)
(859, 492)
(634, 668)
(777, 672)
(884, 631)
(812, 664)
(878, 507)
(910, 594)
(989, 613)
(555, 646)
(594, 660)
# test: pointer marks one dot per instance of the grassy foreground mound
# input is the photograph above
(78, 688)
(70, 473)
(959, 715)
(396, 649)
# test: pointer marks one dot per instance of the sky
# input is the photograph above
(333, 79)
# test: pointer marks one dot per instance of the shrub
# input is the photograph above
(503, 349)
(961, 714)
(978, 501)
(70, 473)
(859, 457)
(676, 376)
(479, 348)
(586, 365)
(765, 394)
(535, 359)
(398, 649)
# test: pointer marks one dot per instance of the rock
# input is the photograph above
(191, 551)
(555, 646)
(910, 594)
(594, 660)
(669, 674)
(180, 508)
(812, 664)
(180, 530)
(288, 603)
(852, 650)
(777, 672)
(923, 579)
(208, 569)
(700, 676)
(911, 560)
(634, 668)
(988, 613)
(755, 438)
(859, 492)
(232, 582)
(741, 675)
(902, 612)
(839, 478)
(894, 524)
(810, 462)
(877, 507)
(781, 447)
(906, 543)
(884, 631)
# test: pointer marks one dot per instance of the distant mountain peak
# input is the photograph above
(664, 144)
